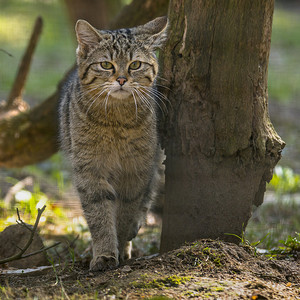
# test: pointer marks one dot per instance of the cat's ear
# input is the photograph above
(154, 33)
(88, 37)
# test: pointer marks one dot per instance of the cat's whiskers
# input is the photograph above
(93, 87)
(97, 96)
(84, 94)
(106, 101)
(162, 78)
(163, 86)
(151, 95)
(157, 93)
(136, 107)
(144, 100)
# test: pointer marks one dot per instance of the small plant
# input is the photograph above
(291, 247)
(285, 180)
(292, 243)
(246, 243)
(52, 262)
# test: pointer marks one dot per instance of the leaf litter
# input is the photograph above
(206, 269)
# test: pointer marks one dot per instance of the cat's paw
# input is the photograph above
(103, 262)
(126, 253)
(135, 227)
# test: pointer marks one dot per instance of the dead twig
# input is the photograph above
(6, 52)
(22, 223)
(15, 96)
(20, 254)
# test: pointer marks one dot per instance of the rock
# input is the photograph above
(15, 236)
(126, 269)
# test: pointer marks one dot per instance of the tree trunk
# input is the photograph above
(140, 12)
(30, 137)
(220, 145)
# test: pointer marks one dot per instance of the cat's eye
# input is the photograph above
(106, 65)
(135, 65)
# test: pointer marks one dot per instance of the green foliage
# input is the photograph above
(276, 218)
(285, 181)
(284, 76)
(292, 243)
(291, 246)
(54, 221)
(286, 24)
(55, 52)
(274, 221)
(27, 203)
(246, 243)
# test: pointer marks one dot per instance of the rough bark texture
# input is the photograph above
(140, 12)
(97, 12)
(30, 137)
(220, 145)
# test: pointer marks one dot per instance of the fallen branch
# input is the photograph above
(15, 95)
(33, 230)
(31, 136)
(6, 52)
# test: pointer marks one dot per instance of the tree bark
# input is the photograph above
(220, 145)
(30, 137)
(140, 12)
(98, 12)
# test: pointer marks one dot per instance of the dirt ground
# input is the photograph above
(205, 269)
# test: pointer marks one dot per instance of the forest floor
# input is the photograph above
(205, 269)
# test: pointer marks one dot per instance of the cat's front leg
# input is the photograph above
(99, 206)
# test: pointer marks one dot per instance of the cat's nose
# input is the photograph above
(121, 80)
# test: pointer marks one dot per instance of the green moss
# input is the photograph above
(167, 282)
(217, 289)
(213, 256)
(159, 298)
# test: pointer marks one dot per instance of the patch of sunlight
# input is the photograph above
(14, 30)
(23, 195)
(42, 201)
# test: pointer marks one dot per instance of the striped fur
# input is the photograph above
(108, 131)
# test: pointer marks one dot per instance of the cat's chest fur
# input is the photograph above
(117, 141)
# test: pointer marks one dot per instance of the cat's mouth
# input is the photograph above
(121, 92)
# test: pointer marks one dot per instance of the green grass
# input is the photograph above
(276, 220)
(284, 66)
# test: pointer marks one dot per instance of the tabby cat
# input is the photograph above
(108, 130)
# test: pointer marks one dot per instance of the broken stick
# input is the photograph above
(20, 254)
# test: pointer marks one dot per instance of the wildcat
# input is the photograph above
(108, 130)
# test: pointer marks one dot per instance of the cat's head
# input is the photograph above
(120, 62)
